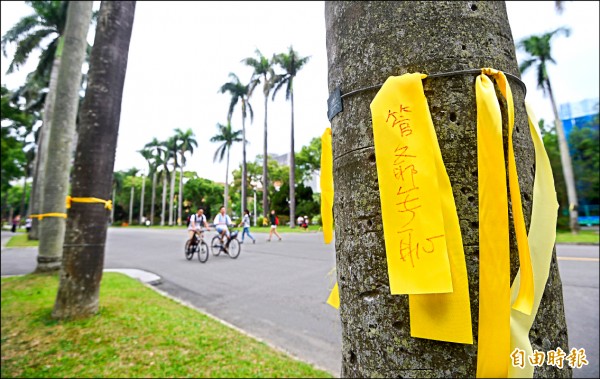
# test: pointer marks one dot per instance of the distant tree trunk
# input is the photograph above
(164, 199)
(23, 194)
(265, 173)
(131, 203)
(171, 198)
(244, 170)
(59, 153)
(567, 166)
(142, 199)
(42, 149)
(81, 273)
(180, 203)
(227, 183)
(153, 197)
(366, 43)
(292, 171)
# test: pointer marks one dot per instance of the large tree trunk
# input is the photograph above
(292, 171)
(567, 166)
(85, 238)
(164, 199)
(244, 172)
(152, 201)
(265, 174)
(23, 194)
(366, 43)
(37, 190)
(59, 153)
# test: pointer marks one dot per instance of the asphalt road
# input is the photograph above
(277, 290)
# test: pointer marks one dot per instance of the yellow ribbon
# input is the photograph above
(327, 186)
(524, 301)
(69, 200)
(424, 248)
(44, 215)
(542, 235)
(494, 262)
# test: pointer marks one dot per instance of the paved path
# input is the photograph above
(277, 290)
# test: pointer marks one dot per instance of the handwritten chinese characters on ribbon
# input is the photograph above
(410, 198)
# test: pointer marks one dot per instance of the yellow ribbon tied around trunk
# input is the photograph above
(423, 242)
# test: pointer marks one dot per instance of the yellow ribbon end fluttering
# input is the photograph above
(327, 186)
(334, 297)
(70, 199)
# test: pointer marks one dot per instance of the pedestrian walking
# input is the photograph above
(246, 223)
(274, 222)
(15, 223)
(28, 224)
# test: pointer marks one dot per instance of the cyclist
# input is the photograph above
(221, 222)
(197, 221)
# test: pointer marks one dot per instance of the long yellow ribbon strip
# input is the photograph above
(69, 200)
(524, 302)
(327, 185)
(542, 235)
(423, 242)
(494, 262)
(327, 203)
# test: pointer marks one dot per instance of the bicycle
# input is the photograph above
(197, 244)
(232, 247)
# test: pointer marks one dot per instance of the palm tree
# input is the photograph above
(539, 50)
(227, 136)
(291, 63)
(186, 142)
(64, 116)
(81, 273)
(263, 71)
(155, 148)
(240, 92)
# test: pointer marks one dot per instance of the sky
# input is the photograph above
(182, 52)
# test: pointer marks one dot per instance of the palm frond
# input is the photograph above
(17, 32)
(26, 46)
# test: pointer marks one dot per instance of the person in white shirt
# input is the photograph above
(246, 223)
(197, 221)
(221, 222)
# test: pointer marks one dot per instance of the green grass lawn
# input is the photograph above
(137, 333)
(21, 240)
(585, 236)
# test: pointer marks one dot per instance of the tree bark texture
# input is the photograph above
(85, 237)
(59, 153)
(366, 43)
(567, 166)
(37, 189)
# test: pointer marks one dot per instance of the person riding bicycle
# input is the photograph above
(221, 222)
(197, 221)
